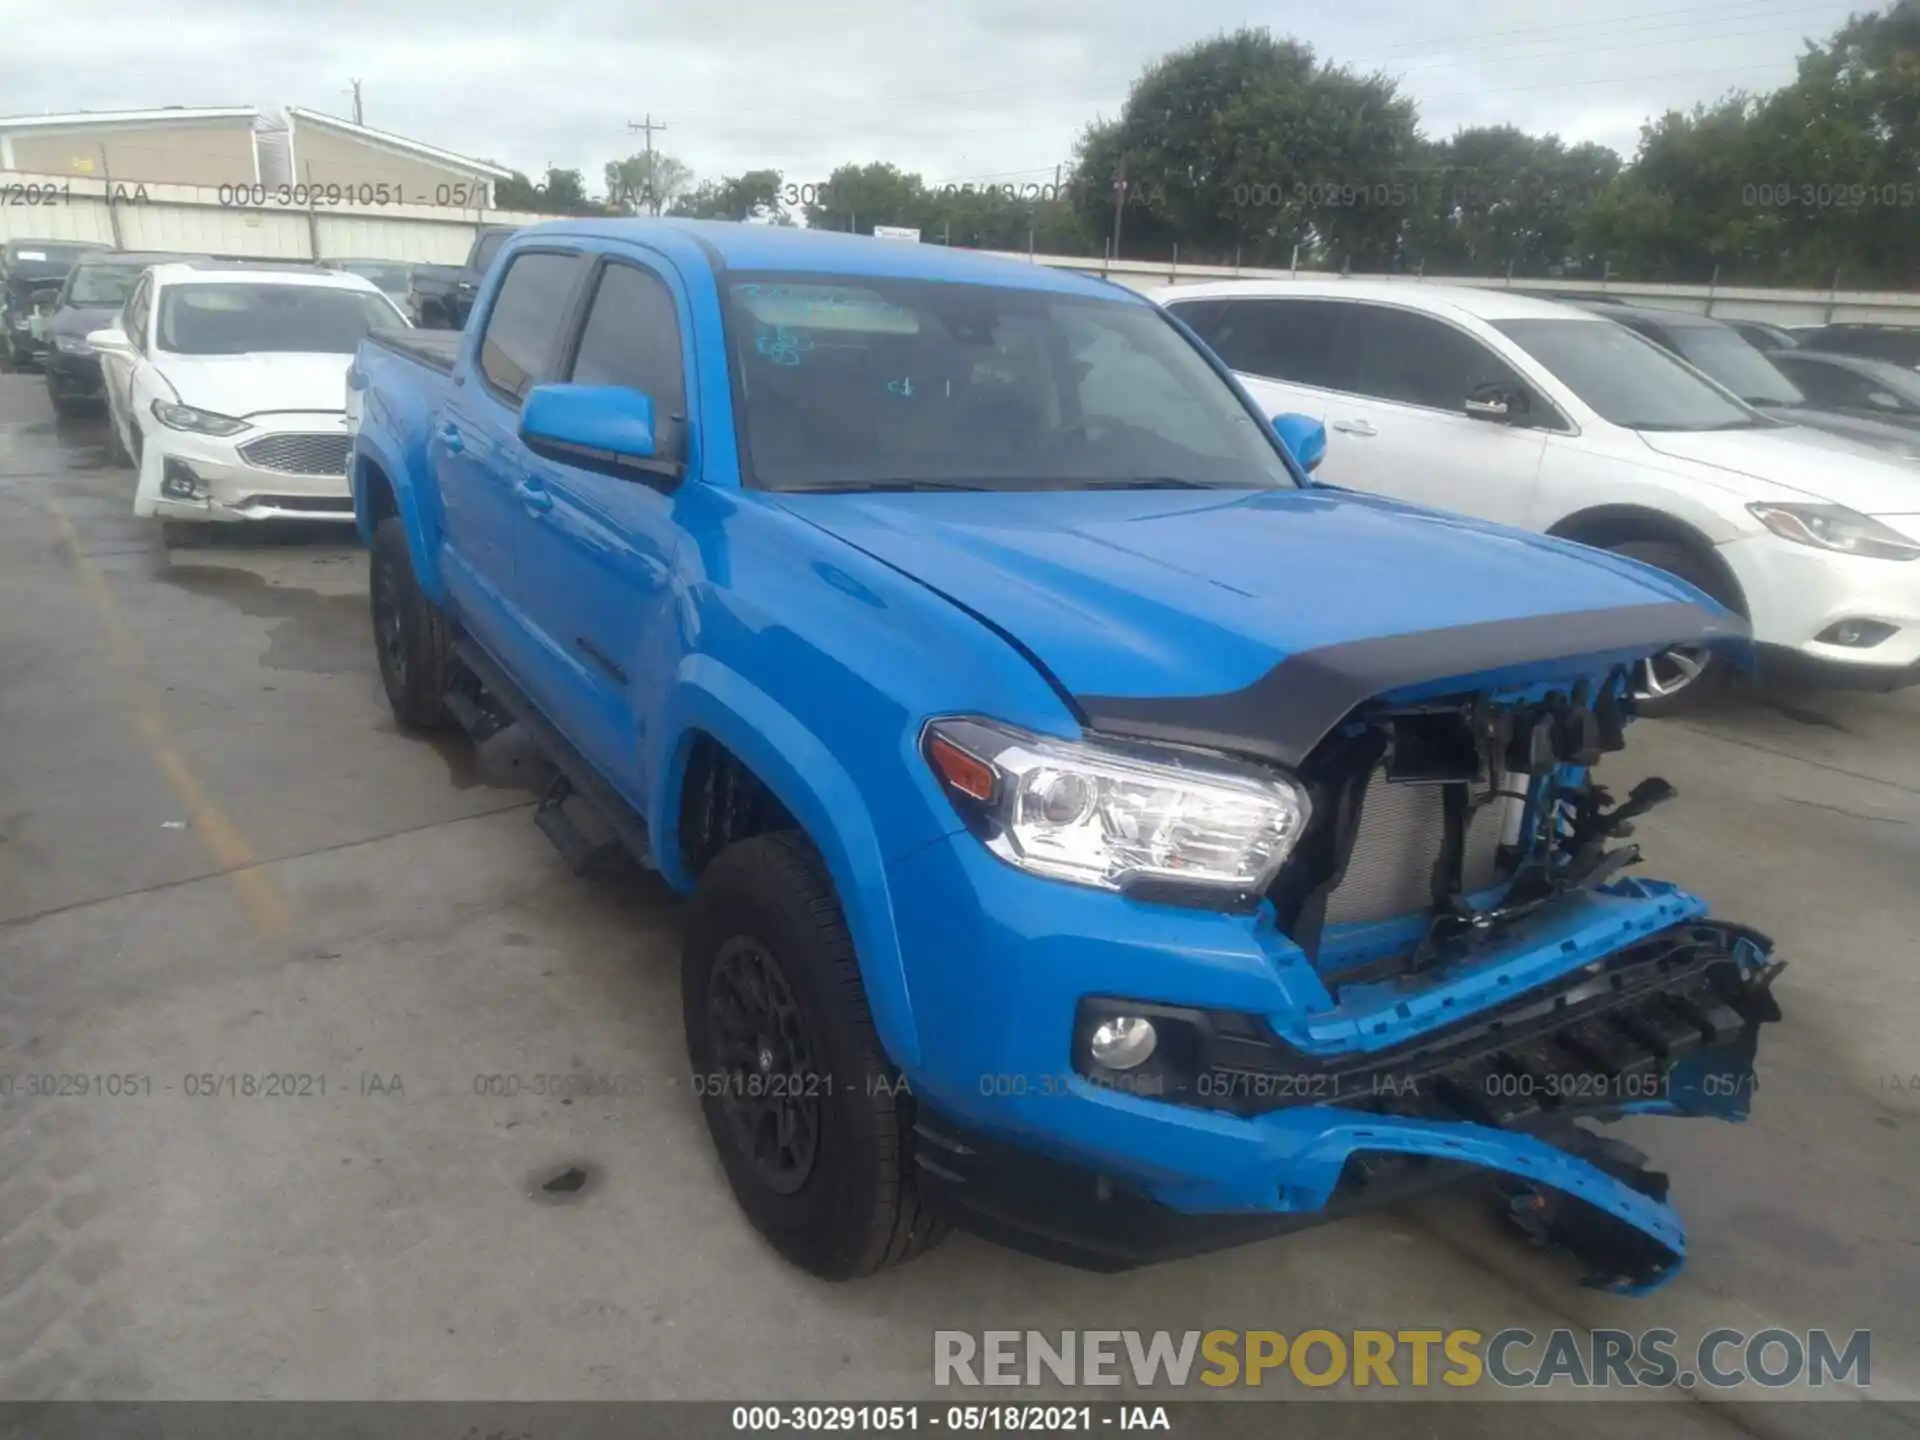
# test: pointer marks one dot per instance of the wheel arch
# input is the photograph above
(1605, 526)
(378, 495)
(716, 722)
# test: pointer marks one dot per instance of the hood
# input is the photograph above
(1835, 468)
(1890, 436)
(243, 385)
(1256, 620)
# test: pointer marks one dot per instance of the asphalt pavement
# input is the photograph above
(219, 860)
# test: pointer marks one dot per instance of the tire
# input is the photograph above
(847, 1206)
(65, 406)
(117, 451)
(1652, 697)
(184, 534)
(409, 635)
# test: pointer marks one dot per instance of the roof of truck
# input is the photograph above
(790, 249)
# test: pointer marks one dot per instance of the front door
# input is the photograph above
(596, 566)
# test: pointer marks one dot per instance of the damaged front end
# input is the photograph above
(1495, 981)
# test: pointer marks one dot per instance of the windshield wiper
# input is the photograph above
(867, 487)
(1151, 482)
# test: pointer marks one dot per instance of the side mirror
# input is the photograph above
(1499, 402)
(1304, 437)
(601, 427)
(110, 341)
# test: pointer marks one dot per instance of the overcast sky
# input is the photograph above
(965, 90)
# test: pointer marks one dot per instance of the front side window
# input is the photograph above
(524, 323)
(1417, 360)
(849, 382)
(254, 317)
(1627, 380)
(632, 338)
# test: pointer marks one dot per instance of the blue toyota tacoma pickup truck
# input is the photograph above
(1097, 833)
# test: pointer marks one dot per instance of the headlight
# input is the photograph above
(1835, 527)
(1111, 815)
(201, 422)
(72, 345)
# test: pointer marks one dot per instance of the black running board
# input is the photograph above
(578, 782)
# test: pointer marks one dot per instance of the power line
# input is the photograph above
(648, 127)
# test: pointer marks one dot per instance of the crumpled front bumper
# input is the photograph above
(1017, 1142)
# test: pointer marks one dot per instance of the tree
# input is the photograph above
(563, 192)
(516, 193)
(1248, 145)
(858, 197)
(646, 182)
(755, 196)
(1494, 200)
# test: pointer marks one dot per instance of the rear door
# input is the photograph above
(1282, 350)
(596, 561)
(474, 447)
(1391, 386)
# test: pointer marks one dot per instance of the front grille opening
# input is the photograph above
(1388, 791)
(299, 454)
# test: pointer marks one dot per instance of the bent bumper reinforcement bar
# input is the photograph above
(1496, 1098)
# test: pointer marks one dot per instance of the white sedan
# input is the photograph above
(1549, 418)
(226, 384)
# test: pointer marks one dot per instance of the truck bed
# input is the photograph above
(436, 349)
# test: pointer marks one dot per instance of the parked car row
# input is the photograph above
(224, 381)
(1567, 421)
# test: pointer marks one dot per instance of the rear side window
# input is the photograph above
(1297, 341)
(632, 338)
(489, 250)
(525, 321)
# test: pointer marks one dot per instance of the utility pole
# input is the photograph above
(1119, 199)
(358, 117)
(647, 127)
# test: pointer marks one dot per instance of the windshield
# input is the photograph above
(1625, 379)
(102, 284)
(855, 382)
(39, 254)
(389, 277)
(1727, 357)
(243, 319)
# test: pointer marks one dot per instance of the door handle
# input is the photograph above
(1354, 427)
(534, 496)
(450, 435)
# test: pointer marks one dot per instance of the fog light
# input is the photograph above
(1856, 634)
(178, 482)
(1122, 1042)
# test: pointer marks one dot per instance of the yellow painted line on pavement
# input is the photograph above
(218, 835)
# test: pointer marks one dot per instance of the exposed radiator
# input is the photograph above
(1402, 830)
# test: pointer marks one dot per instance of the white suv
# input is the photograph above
(227, 384)
(1549, 418)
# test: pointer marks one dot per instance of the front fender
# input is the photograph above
(818, 792)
